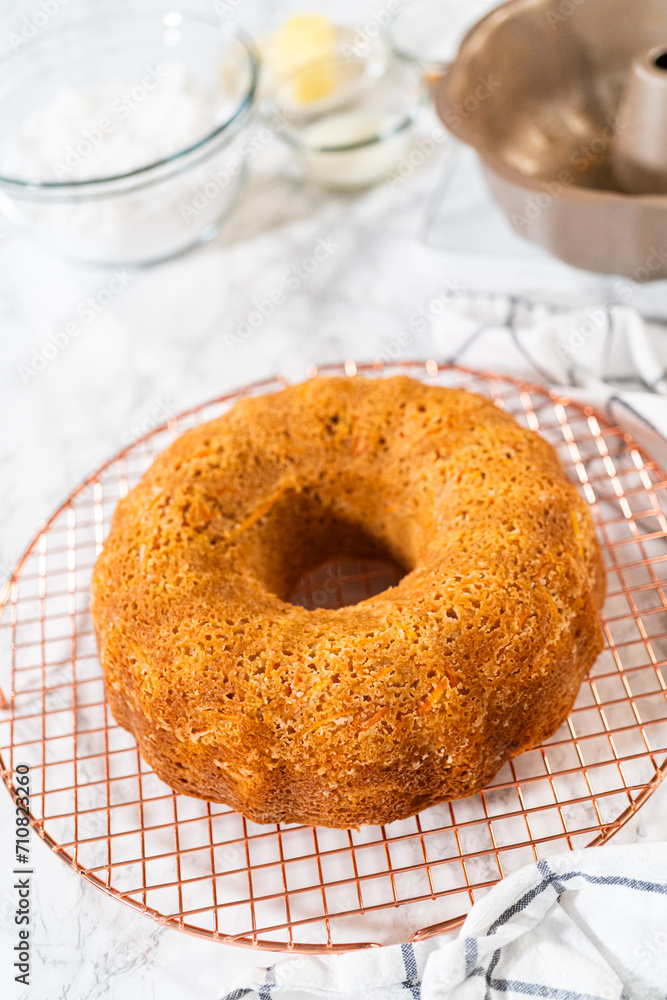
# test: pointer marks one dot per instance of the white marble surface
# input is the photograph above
(162, 345)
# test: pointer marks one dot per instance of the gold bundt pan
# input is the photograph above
(536, 90)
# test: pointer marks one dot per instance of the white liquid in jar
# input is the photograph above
(350, 168)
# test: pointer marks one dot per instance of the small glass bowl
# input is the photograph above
(355, 134)
(429, 32)
(159, 208)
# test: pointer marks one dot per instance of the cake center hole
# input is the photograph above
(309, 554)
(340, 582)
(661, 60)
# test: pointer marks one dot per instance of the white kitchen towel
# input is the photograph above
(588, 925)
(607, 355)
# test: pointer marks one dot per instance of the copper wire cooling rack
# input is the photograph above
(205, 869)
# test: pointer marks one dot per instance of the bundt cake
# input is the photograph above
(372, 712)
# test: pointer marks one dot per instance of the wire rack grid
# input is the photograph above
(203, 868)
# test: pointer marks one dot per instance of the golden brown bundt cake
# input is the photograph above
(368, 713)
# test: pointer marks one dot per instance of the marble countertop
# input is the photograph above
(166, 343)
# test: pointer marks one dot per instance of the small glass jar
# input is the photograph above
(429, 32)
(354, 133)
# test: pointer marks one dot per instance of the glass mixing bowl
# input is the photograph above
(148, 178)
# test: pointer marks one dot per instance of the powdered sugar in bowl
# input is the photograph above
(123, 133)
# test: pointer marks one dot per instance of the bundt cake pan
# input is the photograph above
(536, 89)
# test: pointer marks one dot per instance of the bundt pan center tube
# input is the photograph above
(367, 713)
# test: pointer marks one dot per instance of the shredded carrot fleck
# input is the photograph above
(374, 718)
(382, 673)
(324, 722)
(500, 653)
(313, 691)
(539, 659)
(550, 599)
(524, 619)
(261, 510)
(435, 694)
(577, 533)
(200, 511)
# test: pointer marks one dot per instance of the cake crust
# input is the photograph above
(372, 712)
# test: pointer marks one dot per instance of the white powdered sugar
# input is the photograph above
(82, 133)
(106, 130)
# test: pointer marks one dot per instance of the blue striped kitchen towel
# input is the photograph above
(588, 925)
